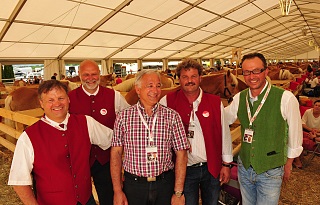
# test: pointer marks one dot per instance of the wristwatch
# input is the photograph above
(178, 193)
(227, 165)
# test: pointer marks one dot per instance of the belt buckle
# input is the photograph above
(151, 179)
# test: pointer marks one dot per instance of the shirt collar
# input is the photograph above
(86, 92)
(54, 123)
(256, 98)
(198, 100)
(154, 108)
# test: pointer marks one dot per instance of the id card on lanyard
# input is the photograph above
(151, 150)
(249, 132)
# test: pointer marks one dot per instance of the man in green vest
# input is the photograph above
(271, 133)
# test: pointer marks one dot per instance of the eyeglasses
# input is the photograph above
(255, 71)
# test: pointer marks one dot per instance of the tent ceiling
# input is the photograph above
(155, 29)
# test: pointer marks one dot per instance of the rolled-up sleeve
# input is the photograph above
(180, 141)
(290, 112)
(99, 134)
(22, 162)
(226, 138)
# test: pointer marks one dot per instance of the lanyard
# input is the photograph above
(251, 119)
(146, 125)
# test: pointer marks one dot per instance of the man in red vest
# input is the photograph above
(56, 150)
(102, 104)
(209, 136)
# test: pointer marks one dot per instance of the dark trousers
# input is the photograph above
(139, 192)
(102, 182)
(91, 201)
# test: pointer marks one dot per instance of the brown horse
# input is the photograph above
(20, 99)
(225, 85)
(128, 85)
(19, 83)
(280, 74)
(104, 79)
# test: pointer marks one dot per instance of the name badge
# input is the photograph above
(152, 154)
(248, 135)
(191, 130)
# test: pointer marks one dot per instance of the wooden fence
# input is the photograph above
(21, 120)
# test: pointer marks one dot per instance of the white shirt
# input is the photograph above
(120, 102)
(23, 158)
(313, 82)
(198, 153)
(290, 112)
(309, 120)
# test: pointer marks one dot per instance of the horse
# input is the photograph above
(19, 83)
(226, 85)
(127, 85)
(105, 80)
(23, 98)
(129, 76)
(280, 74)
(73, 79)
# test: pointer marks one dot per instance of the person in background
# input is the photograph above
(272, 133)
(55, 151)
(54, 77)
(36, 80)
(102, 104)
(209, 135)
(311, 130)
(147, 133)
(63, 77)
(118, 80)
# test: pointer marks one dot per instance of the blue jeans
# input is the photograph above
(210, 187)
(260, 189)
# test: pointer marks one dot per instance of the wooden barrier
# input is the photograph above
(235, 135)
(21, 121)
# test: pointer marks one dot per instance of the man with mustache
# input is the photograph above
(271, 130)
(203, 118)
(102, 104)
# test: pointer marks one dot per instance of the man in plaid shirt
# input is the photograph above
(147, 133)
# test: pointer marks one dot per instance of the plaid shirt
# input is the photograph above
(131, 133)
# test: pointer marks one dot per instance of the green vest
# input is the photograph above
(268, 149)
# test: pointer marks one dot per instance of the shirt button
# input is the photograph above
(252, 155)
(92, 101)
(76, 186)
(95, 156)
(65, 145)
(70, 166)
(77, 196)
(93, 110)
(68, 156)
(252, 147)
(74, 176)
(63, 135)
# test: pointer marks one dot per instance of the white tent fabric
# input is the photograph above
(53, 66)
(130, 30)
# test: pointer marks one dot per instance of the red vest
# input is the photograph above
(61, 162)
(101, 108)
(210, 125)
